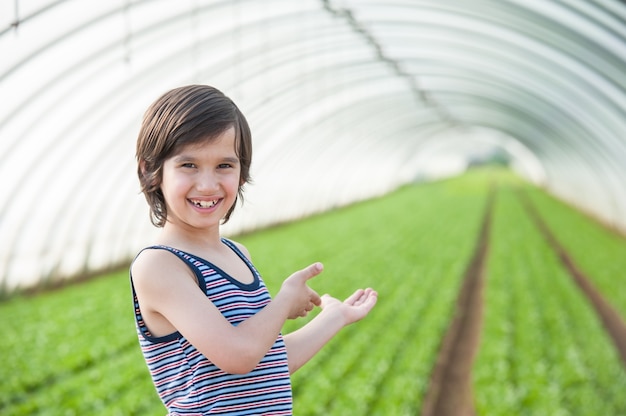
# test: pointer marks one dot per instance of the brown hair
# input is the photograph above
(182, 116)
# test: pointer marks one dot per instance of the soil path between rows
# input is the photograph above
(450, 389)
(611, 319)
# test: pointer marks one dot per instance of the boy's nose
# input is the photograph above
(208, 182)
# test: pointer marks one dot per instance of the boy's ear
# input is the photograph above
(142, 167)
(145, 177)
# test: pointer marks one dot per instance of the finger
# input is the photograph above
(352, 299)
(311, 271)
(315, 298)
(367, 294)
(325, 298)
(370, 301)
(365, 297)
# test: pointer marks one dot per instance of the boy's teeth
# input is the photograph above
(205, 204)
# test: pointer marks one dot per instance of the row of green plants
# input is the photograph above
(544, 350)
(599, 252)
(74, 351)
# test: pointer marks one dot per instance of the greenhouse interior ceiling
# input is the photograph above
(347, 100)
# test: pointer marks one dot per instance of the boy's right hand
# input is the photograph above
(302, 299)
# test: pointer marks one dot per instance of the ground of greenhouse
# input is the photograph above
(450, 392)
(450, 389)
(611, 319)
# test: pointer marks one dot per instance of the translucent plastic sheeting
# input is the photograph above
(346, 99)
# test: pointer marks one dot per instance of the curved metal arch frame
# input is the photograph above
(381, 98)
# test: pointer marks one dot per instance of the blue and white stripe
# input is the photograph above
(188, 383)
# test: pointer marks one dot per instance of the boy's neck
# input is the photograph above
(188, 241)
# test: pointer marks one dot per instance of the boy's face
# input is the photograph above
(200, 182)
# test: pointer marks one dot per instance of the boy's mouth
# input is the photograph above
(204, 204)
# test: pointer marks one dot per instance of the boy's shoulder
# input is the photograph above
(155, 261)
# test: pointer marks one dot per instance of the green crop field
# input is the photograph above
(543, 350)
(598, 253)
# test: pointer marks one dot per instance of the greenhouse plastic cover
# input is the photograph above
(347, 100)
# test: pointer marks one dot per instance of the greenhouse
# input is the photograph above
(451, 144)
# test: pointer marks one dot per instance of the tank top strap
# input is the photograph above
(243, 257)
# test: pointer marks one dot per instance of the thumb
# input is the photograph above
(311, 271)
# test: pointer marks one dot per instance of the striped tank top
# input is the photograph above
(187, 382)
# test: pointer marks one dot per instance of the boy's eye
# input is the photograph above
(188, 165)
(224, 165)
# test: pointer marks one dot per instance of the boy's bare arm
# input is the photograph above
(304, 343)
(168, 293)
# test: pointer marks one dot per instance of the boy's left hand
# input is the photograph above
(354, 308)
